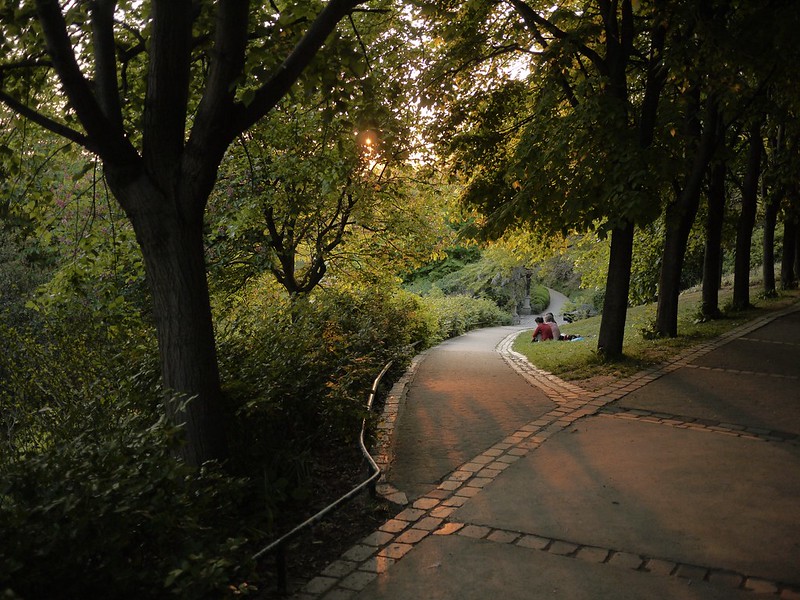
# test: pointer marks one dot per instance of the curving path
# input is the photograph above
(679, 482)
(464, 396)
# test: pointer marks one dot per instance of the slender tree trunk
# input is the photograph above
(747, 220)
(615, 304)
(770, 221)
(772, 201)
(788, 273)
(796, 268)
(712, 260)
(679, 219)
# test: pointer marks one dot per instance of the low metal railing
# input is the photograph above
(279, 545)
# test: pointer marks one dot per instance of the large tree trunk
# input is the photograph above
(679, 219)
(615, 304)
(164, 185)
(172, 246)
(712, 260)
(747, 220)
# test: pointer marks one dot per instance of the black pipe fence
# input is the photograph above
(279, 546)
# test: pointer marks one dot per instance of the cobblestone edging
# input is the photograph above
(382, 449)
(428, 515)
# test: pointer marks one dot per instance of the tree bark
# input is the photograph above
(797, 253)
(680, 216)
(712, 260)
(619, 43)
(772, 200)
(615, 303)
(747, 220)
(173, 251)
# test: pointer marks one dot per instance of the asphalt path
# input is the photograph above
(680, 482)
(463, 397)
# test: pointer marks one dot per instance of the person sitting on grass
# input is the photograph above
(543, 332)
(550, 320)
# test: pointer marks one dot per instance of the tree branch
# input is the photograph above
(360, 41)
(534, 21)
(28, 63)
(212, 131)
(102, 19)
(166, 98)
(111, 146)
(47, 122)
(287, 74)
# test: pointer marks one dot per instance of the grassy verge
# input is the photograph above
(578, 360)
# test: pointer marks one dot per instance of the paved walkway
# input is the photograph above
(680, 482)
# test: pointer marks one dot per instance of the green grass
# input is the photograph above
(579, 360)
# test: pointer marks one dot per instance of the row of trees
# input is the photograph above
(604, 115)
(226, 130)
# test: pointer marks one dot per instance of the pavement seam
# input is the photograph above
(741, 372)
(696, 423)
(621, 559)
(763, 341)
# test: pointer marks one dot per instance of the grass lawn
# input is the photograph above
(579, 360)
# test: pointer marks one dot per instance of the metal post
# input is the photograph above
(280, 561)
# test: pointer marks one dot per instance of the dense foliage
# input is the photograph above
(93, 496)
(263, 242)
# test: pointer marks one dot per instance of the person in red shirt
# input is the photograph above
(542, 332)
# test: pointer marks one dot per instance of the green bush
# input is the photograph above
(298, 375)
(456, 315)
(112, 513)
(93, 501)
(583, 306)
(540, 298)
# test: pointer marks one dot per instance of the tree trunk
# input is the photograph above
(164, 186)
(615, 304)
(772, 201)
(712, 260)
(788, 275)
(770, 221)
(747, 220)
(618, 49)
(172, 246)
(796, 239)
(679, 219)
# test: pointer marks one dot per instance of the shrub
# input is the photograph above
(112, 513)
(540, 298)
(456, 315)
(298, 375)
(93, 501)
(583, 306)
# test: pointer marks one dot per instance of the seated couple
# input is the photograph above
(547, 329)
